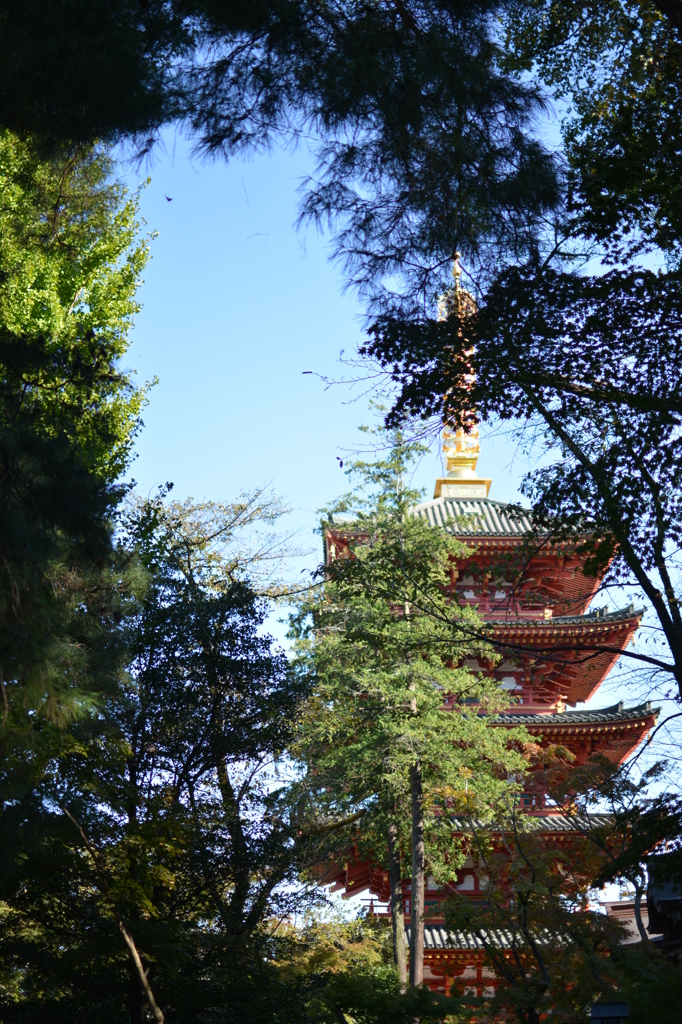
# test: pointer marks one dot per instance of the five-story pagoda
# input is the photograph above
(556, 653)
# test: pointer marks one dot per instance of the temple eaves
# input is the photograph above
(597, 716)
(471, 515)
(557, 823)
(438, 937)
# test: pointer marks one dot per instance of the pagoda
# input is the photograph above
(557, 652)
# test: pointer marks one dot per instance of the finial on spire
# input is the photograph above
(456, 299)
(457, 269)
(461, 450)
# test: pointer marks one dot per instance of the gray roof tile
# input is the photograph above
(539, 823)
(482, 517)
(599, 615)
(616, 713)
(438, 937)
(662, 889)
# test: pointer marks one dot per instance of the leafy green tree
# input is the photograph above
(146, 872)
(617, 67)
(71, 258)
(393, 726)
(346, 971)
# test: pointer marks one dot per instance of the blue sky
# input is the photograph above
(237, 304)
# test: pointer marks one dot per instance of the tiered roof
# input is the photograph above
(599, 716)
(546, 823)
(438, 937)
(476, 517)
(572, 654)
(533, 596)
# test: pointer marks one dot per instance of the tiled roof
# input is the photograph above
(595, 618)
(665, 892)
(438, 937)
(616, 713)
(483, 517)
(539, 823)
(601, 615)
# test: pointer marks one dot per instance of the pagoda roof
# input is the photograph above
(615, 713)
(485, 517)
(538, 823)
(436, 936)
(598, 616)
(664, 876)
(580, 649)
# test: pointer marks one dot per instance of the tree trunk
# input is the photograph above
(137, 1004)
(157, 1013)
(638, 915)
(397, 911)
(417, 898)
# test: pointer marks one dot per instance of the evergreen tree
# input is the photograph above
(394, 726)
(145, 872)
(76, 71)
(424, 144)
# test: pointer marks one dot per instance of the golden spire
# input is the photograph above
(456, 299)
(461, 450)
(461, 453)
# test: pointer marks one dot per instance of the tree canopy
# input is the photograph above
(424, 144)
(616, 66)
(145, 869)
(71, 259)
